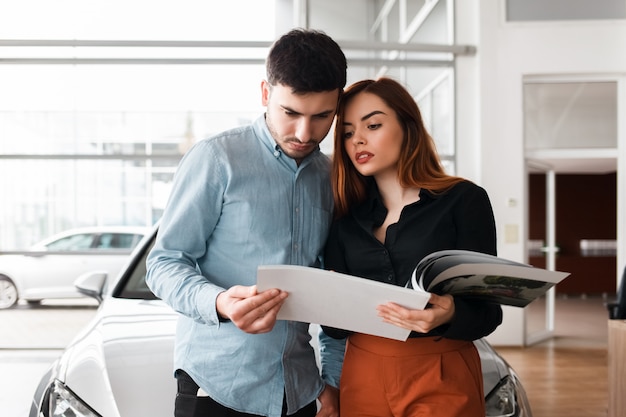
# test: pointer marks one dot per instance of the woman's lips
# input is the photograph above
(363, 157)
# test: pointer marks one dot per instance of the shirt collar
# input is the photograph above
(373, 209)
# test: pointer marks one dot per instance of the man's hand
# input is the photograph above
(251, 311)
(329, 402)
(441, 311)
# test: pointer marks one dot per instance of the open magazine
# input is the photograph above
(348, 302)
(477, 275)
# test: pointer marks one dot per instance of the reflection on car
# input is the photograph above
(121, 364)
(48, 269)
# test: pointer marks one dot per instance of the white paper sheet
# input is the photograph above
(337, 300)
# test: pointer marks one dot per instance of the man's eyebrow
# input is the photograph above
(289, 109)
(322, 113)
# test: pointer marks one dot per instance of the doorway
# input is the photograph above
(571, 138)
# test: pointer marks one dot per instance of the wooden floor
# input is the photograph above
(567, 376)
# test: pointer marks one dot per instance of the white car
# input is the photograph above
(121, 364)
(49, 268)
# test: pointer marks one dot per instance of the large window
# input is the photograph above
(62, 168)
(92, 134)
(100, 100)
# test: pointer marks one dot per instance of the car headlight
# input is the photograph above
(62, 402)
(507, 399)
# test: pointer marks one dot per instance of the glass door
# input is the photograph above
(570, 127)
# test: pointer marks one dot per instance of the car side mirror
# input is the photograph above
(92, 284)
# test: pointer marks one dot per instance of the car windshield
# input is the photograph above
(133, 283)
(77, 242)
(117, 241)
(91, 241)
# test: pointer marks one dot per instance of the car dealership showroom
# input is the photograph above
(100, 101)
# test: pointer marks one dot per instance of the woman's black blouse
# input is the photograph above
(460, 218)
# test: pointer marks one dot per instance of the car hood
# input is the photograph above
(121, 364)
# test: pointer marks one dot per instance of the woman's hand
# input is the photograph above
(440, 311)
(329, 402)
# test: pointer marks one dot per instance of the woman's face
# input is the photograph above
(372, 135)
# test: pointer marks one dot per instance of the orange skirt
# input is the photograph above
(420, 377)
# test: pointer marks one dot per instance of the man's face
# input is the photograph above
(298, 122)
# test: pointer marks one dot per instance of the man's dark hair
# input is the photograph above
(307, 61)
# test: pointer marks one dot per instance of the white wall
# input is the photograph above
(490, 112)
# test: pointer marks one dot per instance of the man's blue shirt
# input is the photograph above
(238, 202)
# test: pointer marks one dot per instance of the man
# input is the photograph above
(253, 195)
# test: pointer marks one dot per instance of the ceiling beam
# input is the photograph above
(444, 62)
(346, 45)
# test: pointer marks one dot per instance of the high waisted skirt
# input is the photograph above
(420, 377)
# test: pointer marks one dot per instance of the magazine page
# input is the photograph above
(525, 272)
(486, 277)
(337, 300)
(433, 265)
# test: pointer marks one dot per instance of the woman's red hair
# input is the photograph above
(419, 164)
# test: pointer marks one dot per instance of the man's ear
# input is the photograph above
(265, 92)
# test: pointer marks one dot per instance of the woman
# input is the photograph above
(394, 205)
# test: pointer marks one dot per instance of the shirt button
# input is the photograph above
(389, 277)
